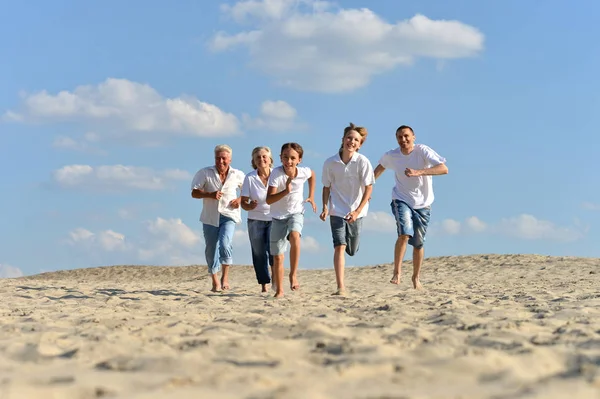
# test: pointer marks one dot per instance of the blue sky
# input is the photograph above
(108, 108)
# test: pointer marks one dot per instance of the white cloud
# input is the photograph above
(450, 226)
(173, 231)
(129, 107)
(310, 45)
(117, 177)
(529, 228)
(379, 221)
(309, 244)
(81, 145)
(475, 225)
(590, 206)
(171, 242)
(8, 271)
(274, 115)
(107, 240)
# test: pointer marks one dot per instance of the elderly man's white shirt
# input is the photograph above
(207, 179)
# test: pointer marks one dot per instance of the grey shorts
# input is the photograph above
(281, 229)
(345, 233)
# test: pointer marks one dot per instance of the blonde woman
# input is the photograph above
(254, 196)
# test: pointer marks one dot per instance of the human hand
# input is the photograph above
(324, 214)
(217, 195)
(412, 172)
(235, 203)
(288, 184)
(252, 204)
(311, 201)
(351, 217)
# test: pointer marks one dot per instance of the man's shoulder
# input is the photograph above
(423, 148)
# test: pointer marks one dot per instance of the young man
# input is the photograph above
(347, 185)
(412, 196)
(217, 186)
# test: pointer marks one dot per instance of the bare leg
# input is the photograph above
(339, 262)
(216, 285)
(418, 254)
(273, 284)
(264, 288)
(278, 274)
(294, 259)
(399, 250)
(225, 277)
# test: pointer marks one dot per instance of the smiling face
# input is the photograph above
(262, 159)
(352, 141)
(222, 161)
(406, 140)
(290, 158)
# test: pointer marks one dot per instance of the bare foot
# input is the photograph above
(294, 286)
(264, 288)
(416, 283)
(340, 292)
(278, 295)
(216, 288)
(395, 279)
(224, 284)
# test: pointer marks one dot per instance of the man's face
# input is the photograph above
(406, 139)
(222, 161)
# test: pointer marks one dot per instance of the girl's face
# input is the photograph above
(352, 141)
(290, 159)
(262, 159)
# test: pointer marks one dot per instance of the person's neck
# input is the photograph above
(346, 155)
(291, 173)
(263, 172)
(223, 173)
(407, 151)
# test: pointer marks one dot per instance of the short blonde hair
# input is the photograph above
(223, 148)
(358, 129)
(256, 150)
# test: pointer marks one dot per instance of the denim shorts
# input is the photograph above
(281, 229)
(345, 233)
(411, 222)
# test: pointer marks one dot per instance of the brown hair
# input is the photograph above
(256, 150)
(358, 129)
(294, 146)
(405, 127)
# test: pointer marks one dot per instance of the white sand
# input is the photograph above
(487, 326)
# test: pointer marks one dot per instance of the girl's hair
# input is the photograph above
(294, 146)
(256, 150)
(359, 129)
(223, 148)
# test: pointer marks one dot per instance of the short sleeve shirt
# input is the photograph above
(207, 179)
(254, 189)
(293, 202)
(417, 192)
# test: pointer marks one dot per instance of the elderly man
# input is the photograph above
(412, 196)
(218, 186)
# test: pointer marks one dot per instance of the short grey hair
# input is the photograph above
(223, 148)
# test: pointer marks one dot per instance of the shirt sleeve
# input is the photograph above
(199, 180)
(432, 158)
(306, 172)
(273, 178)
(385, 160)
(367, 175)
(245, 187)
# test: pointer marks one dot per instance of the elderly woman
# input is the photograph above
(217, 187)
(254, 195)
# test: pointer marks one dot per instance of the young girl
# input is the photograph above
(286, 197)
(254, 195)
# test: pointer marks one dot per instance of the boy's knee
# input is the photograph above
(294, 235)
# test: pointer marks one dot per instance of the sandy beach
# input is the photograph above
(486, 326)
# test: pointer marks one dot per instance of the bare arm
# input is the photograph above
(436, 170)
(378, 171)
(325, 198)
(274, 196)
(201, 194)
(311, 190)
(353, 215)
(248, 205)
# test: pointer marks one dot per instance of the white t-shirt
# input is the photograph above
(347, 183)
(293, 202)
(207, 179)
(417, 192)
(254, 189)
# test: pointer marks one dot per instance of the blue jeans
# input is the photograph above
(220, 238)
(411, 222)
(259, 232)
(345, 233)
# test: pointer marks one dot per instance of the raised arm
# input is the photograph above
(440, 169)
(201, 194)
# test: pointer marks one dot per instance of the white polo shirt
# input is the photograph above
(254, 189)
(347, 183)
(417, 192)
(293, 202)
(207, 179)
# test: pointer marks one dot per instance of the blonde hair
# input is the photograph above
(223, 148)
(256, 150)
(358, 129)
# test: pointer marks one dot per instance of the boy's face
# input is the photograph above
(352, 141)
(290, 159)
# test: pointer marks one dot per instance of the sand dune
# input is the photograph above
(486, 326)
